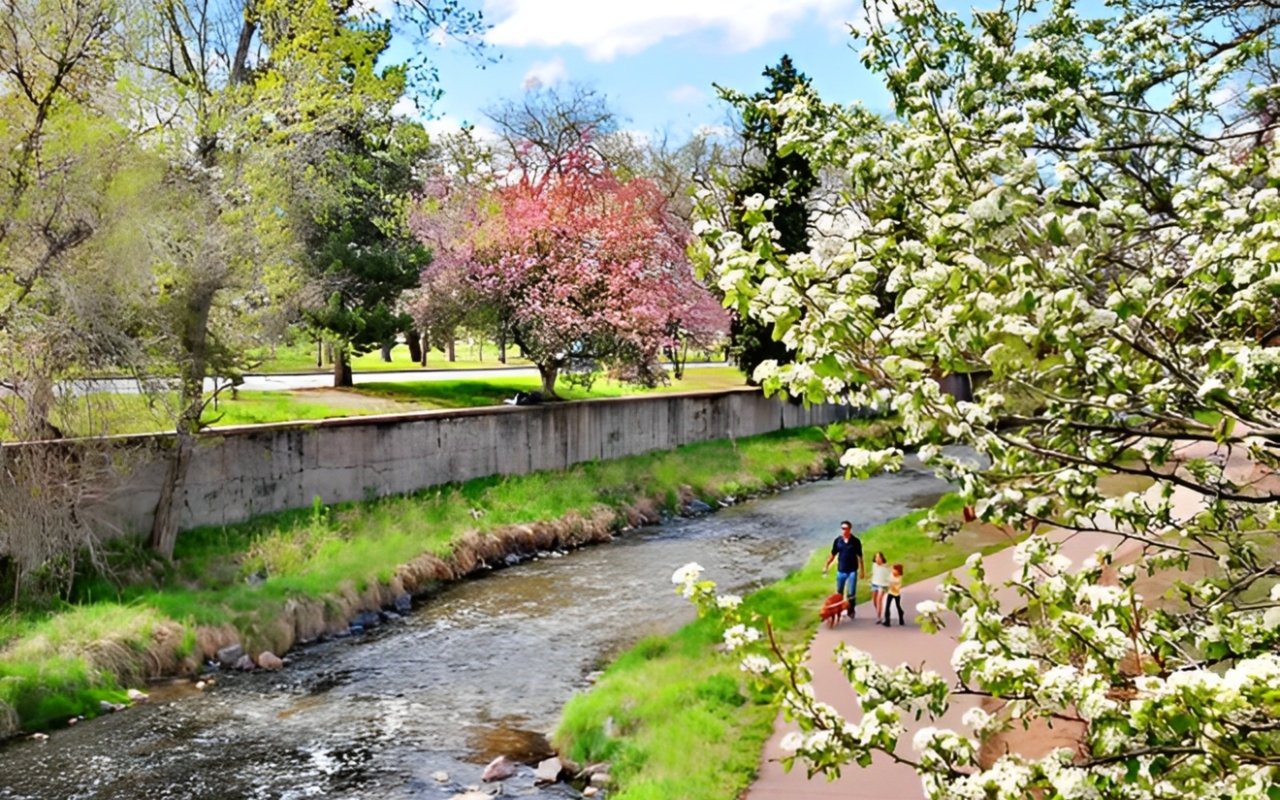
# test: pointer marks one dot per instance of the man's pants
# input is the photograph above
(851, 578)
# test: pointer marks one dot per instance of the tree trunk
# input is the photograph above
(195, 346)
(414, 340)
(679, 356)
(386, 351)
(426, 348)
(342, 377)
(549, 373)
(453, 356)
(480, 349)
(328, 352)
(502, 347)
(319, 352)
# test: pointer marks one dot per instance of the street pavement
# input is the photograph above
(320, 380)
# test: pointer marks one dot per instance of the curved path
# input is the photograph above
(883, 779)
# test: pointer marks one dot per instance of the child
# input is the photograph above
(879, 582)
(894, 596)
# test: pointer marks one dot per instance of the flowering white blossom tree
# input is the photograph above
(1082, 213)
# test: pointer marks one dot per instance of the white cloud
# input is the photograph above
(379, 8)
(444, 126)
(686, 95)
(405, 107)
(545, 74)
(606, 30)
(710, 131)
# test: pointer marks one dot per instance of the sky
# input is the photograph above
(656, 60)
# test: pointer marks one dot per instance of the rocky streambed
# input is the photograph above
(417, 706)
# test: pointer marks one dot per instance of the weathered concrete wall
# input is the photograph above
(243, 472)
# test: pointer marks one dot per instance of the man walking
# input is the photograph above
(848, 549)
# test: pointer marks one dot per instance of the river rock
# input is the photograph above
(229, 655)
(440, 776)
(696, 506)
(499, 769)
(245, 664)
(367, 619)
(404, 603)
(269, 660)
(136, 696)
(600, 779)
(590, 791)
(548, 771)
(472, 796)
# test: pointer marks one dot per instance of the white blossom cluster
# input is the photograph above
(1081, 214)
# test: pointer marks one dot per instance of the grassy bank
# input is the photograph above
(675, 716)
(297, 575)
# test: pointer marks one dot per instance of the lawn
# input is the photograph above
(301, 357)
(99, 414)
(492, 391)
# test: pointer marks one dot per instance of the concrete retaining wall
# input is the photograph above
(239, 473)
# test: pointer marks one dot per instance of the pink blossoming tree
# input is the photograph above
(584, 268)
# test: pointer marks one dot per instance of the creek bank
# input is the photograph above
(174, 650)
(350, 612)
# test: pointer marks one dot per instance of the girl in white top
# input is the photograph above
(879, 582)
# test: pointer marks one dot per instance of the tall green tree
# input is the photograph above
(240, 91)
(360, 253)
(787, 179)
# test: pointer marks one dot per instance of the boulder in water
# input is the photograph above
(269, 660)
(548, 771)
(229, 655)
(499, 769)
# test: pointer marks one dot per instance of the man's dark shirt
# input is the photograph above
(849, 553)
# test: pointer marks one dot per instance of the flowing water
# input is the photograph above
(480, 669)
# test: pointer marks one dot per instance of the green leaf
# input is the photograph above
(1055, 232)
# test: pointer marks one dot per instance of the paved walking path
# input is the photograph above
(883, 779)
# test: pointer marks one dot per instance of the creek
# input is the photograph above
(479, 669)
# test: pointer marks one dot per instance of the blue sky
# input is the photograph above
(656, 60)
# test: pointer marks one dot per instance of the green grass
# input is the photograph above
(492, 391)
(674, 715)
(98, 414)
(301, 357)
(313, 553)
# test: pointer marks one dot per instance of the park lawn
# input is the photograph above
(100, 414)
(302, 358)
(60, 660)
(493, 391)
(675, 716)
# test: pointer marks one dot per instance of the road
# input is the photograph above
(320, 380)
